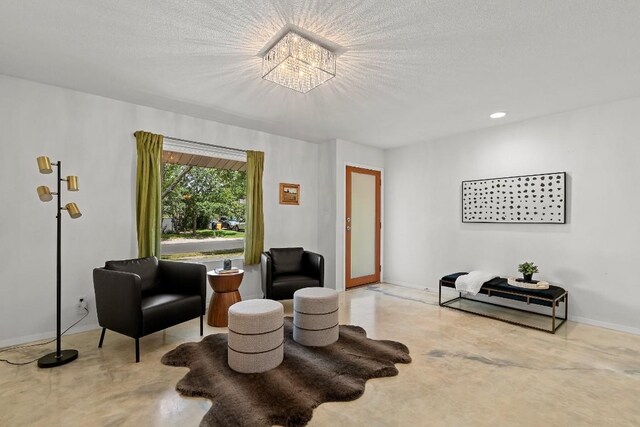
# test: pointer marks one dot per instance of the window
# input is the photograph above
(203, 206)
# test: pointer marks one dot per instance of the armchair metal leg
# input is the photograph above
(201, 325)
(102, 337)
(137, 350)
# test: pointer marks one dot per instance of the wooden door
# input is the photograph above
(362, 226)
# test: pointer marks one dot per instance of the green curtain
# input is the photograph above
(148, 193)
(254, 234)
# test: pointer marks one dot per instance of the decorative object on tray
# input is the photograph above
(286, 395)
(289, 194)
(531, 199)
(527, 269)
(528, 284)
(226, 264)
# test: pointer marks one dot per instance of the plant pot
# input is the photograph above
(527, 277)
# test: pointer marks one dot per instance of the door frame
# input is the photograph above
(379, 174)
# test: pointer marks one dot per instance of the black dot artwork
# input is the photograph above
(480, 201)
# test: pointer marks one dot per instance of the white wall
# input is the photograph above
(593, 256)
(327, 210)
(93, 136)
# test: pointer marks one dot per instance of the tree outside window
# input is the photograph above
(201, 207)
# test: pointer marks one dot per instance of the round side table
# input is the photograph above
(225, 294)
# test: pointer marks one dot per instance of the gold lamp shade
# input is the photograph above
(74, 211)
(44, 193)
(44, 164)
(72, 183)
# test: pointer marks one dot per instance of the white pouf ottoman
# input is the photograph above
(256, 335)
(315, 316)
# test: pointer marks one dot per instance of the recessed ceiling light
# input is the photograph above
(498, 115)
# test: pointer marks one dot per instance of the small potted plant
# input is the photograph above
(527, 269)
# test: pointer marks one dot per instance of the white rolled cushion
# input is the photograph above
(472, 283)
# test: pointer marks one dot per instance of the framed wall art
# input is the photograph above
(289, 194)
(525, 199)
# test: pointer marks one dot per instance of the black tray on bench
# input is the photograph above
(499, 287)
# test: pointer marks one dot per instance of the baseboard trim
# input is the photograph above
(46, 335)
(577, 319)
(10, 342)
(93, 326)
(606, 325)
(405, 284)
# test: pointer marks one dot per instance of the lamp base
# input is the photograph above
(52, 360)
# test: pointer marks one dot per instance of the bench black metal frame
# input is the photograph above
(556, 321)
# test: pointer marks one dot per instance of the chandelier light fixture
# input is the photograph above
(298, 63)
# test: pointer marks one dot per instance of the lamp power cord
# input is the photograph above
(20, 347)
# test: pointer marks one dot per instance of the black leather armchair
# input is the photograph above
(137, 297)
(285, 270)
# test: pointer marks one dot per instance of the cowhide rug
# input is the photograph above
(286, 395)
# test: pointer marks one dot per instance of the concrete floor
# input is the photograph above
(466, 371)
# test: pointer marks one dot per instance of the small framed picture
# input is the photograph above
(289, 194)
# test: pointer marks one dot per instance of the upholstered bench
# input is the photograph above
(315, 316)
(499, 287)
(256, 335)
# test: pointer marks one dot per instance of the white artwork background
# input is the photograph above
(521, 199)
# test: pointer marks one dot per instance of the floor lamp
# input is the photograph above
(59, 357)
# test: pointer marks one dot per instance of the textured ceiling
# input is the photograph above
(411, 70)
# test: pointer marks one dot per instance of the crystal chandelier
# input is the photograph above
(298, 63)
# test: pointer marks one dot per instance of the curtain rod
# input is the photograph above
(205, 144)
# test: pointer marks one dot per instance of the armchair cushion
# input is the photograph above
(184, 278)
(286, 260)
(146, 268)
(285, 285)
(165, 310)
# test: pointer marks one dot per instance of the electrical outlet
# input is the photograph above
(82, 305)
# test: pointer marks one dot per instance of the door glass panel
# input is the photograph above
(363, 224)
